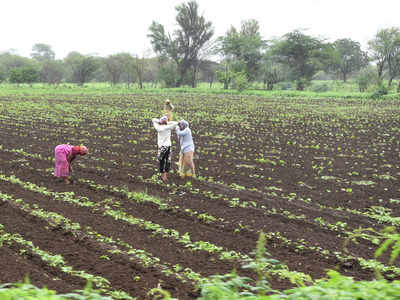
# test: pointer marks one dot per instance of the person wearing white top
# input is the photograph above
(164, 128)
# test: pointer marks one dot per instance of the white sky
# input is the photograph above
(105, 27)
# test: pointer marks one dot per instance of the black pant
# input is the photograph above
(164, 157)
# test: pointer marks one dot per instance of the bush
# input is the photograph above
(365, 78)
(320, 88)
(380, 91)
(240, 81)
(285, 85)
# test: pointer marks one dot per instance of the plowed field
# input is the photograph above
(307, 173)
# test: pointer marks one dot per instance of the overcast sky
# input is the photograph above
(105, 27)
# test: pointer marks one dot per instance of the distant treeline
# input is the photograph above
(192, 54)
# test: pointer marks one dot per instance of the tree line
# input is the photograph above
(192, 54)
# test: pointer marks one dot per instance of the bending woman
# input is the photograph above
(187, 149)
(65, 154)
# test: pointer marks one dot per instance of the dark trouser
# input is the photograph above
(164, 157)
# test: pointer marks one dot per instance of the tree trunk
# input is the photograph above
(270, 86)
(299, 86)
(140, 83)
(380, 70)
(398, 87)
(390, 82)
(225, 85)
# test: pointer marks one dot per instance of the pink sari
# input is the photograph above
(62, 166)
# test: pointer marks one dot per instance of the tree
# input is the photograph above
(225, 74)
(129, 75)
(82, 66)
(271, 71)
(303, 54)
(366, 77)
(244, 47)
(184, 46)
(28, 74)
(139, 66)
(42, 52)
(346, 57)
(52, 71)
(10, 61)
(168, 73)
(151, 72)
(208, 70)
(384, 48)
(116, 66)
(2, 75)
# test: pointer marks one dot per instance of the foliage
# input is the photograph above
(303, 54)
(240, 81)
(118, 64)
(169, 74)
(82, 66)
(365, 78)
(385, 49)
(52, 71)
(2, 75)
(28, 74)
(225, 75)
(10, 61)
(184, 47)
(335, 286)
(28, 291)
(244, 46)
(346, 57)
(271, 71)
(42, 52)
(381, 90)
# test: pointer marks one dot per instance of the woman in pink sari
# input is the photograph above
(65, 154)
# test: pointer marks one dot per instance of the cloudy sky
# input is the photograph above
(105, 27)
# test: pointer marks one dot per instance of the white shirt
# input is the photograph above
(164, 132)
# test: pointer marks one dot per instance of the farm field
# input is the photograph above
(307, 173)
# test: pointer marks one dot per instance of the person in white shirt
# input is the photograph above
(164, 128)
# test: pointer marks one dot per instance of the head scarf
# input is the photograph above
(83, 150)
(164, 120)
(168, 105)
(75, 150)
(184, 124)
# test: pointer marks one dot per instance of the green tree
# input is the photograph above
(225, 74)
(346, 58)
(385, 49)
(27, 74)
(2, 75)
(116, 65)
(366, 77)
(244, 47)
(271, 71)
(184, 46)
(52, 71)
(82, 66)
(10, 61)
(42, 52)
(168, 73)
(303, 54)
(140, 68)
(208, 71)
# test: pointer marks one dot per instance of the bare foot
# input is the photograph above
(67, 181)
(164, 176)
